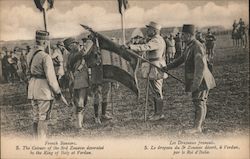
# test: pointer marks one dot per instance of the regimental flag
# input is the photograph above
(118, 63)
(40, 4)
(123, 5)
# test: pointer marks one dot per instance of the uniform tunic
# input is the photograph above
(156, 54)
(41, 90)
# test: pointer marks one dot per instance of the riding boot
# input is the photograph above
(159, 113)
(199, 118)
(42, 129)
(96, 110)
(155, 108)
(79, 120)
(104, 108)
(34, 128)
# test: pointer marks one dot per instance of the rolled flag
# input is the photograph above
(123, 5)
(40, 4)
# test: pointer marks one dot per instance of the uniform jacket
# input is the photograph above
(78, 66)
(210, 38)
(170, 45)
(42, 89)
(155, 48)
(197, 74)
(57, 59)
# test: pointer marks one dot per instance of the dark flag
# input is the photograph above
(118, 63)
(40, 4)
(123, 5)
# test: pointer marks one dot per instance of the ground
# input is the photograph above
(228, 105)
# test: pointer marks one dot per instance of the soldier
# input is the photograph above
(199, 37)
(101, 89)
(155, 48)
(170, 42)
(178, 45)
(43, 87)
(64, 79)
(5, 64)
(57, 59)
(210, 44)
(198, 79)
(79, 78)
(23, 62)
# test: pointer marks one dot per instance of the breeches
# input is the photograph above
(101, 92)
(199, 99)
(80, 99)
(156, 88)
(41, 109)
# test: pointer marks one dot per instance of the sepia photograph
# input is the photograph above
(124, 79)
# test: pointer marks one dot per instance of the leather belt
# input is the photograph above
(38, 76)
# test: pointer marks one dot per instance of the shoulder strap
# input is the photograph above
(33, 57)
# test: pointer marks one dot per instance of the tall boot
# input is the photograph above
(104, 108)
(96, 111)
(34, 128)
(155, 108)
(42, 129)
(80, 120)
(159, 113)
(199, 118)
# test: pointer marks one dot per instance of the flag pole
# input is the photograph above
(44, 19)
(123, 28)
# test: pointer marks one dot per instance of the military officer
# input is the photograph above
(57, 59)
(155, 52)
(79, 77)
(198, 79)
(210, 44)
(43, 87)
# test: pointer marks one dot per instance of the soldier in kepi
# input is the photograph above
(43, 87)
(198, 79)
(210, 44)
(155, 52)
(79, 78)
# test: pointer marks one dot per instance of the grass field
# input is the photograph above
(228, 105)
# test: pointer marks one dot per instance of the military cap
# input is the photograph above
(188, 28)
(84, 39)
(60, 43)
(154, 25)
(42, 35)
(69, 41)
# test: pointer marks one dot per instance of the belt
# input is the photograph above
(154, 59)
(38, 76)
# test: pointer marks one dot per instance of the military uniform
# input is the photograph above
(155, 48)
(170, 49)
(43, 85)
(57, 59)
(178, 46)
(210, 44)
(78, 72)
(198, 79)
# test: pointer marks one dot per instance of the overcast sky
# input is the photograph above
(20, 18)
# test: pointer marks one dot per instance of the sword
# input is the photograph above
(64, 100)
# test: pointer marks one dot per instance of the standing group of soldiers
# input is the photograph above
(175, 45)
(70, 62)
(65, 67)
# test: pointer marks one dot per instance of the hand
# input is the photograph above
(164, 69)
(124, 47)
(58, 96)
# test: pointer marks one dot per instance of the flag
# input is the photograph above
(118, 64)
(123, 5)
(40, 4)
